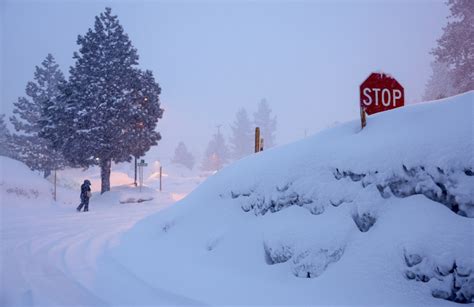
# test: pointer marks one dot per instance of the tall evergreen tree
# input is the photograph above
(108, 109)
(266, 122)
(441, 84)
(242, 139)
(30, 148)
(183, 156)
(143, 114)
(456, 47)
(217, 153)
(5, 139)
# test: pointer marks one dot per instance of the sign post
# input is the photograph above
(257, 139)
(378, 93)
(363, 119)
(135, 181)
(140, 172)
(161, 176)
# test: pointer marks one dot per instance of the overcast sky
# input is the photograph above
(307, 58)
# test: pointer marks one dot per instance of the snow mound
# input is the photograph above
(125, 194)
(17, 181)
(348, 216)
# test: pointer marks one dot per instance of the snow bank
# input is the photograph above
(126, 194)
(17, 181)
(378, 216)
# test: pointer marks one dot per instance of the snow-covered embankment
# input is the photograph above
(382, 215)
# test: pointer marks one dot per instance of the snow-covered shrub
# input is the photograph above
(364, 221)
(277, 253)
(312, 263)
(449, 280)
(278, 200)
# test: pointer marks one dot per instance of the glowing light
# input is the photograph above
(178, 196)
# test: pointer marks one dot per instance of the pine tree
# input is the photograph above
(456, 47)
(183, 156)
(441, 84)
(267, 123)
(143, 115)
(108, 110)
(217, 154)
(242, 139)
(30, 148)
(5, 139)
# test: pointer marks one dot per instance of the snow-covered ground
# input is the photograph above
(50, 253)
(378, 216)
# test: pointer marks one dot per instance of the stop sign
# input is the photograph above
(380, 92)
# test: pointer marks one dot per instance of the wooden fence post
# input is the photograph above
(257, 139)
(363, 118)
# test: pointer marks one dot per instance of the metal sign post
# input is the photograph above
(140, 172)
(135, 180)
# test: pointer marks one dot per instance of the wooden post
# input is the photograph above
(363, 119)
(161, 176)
(257, 139)
(135, 182)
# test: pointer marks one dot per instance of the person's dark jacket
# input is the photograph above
(84, 189)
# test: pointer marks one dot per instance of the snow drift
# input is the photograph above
(18, 181)
(382, 215)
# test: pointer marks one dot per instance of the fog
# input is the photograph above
(307, 58)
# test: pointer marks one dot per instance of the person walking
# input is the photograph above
(85, 195)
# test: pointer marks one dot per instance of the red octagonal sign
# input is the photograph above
(380, 92)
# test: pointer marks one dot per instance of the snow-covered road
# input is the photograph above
(53, 255)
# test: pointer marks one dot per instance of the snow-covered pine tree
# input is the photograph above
(29, 147)
(267, 123)
(456, 47)
(110, 108)
(217, 153)
(5, 139)
(183, 156)
(242, 140)
(441, 83)
(143, 114)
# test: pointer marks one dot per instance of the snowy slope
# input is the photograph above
(378, 216)
(18, 182)
(49, 252)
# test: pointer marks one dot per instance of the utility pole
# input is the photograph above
(161, 177)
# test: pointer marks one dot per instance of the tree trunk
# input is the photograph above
(105, 175)
(47, 173)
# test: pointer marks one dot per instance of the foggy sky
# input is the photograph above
(307, 58)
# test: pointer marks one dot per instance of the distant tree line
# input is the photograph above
(241, 141)
(106, 111)
(453, 65)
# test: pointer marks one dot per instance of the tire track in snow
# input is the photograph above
(53, 258)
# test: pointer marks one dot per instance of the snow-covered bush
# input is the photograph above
(448, 279)
(312, 263)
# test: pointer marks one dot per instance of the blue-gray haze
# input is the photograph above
(307, 58)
